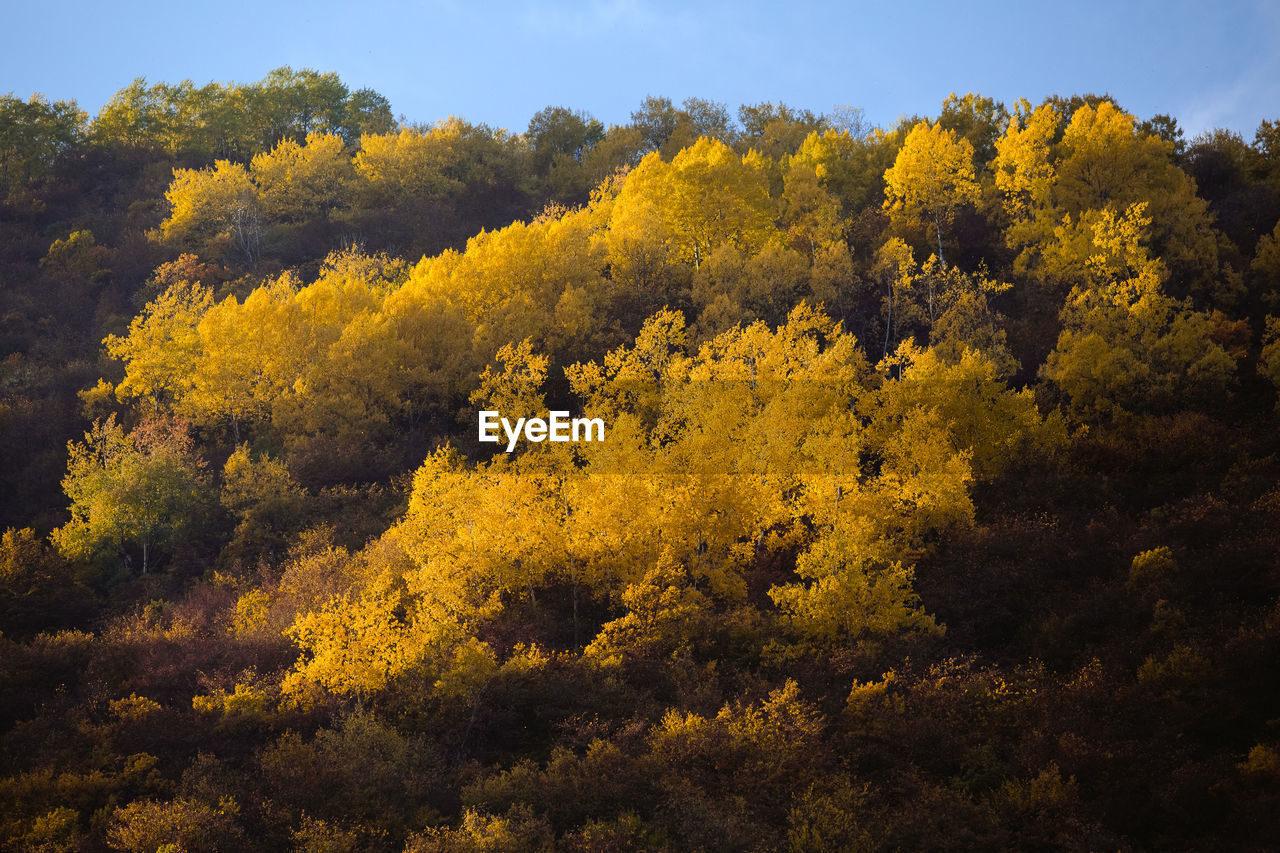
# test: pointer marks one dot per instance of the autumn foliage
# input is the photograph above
(937, 504)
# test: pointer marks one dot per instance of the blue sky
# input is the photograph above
(500, 62)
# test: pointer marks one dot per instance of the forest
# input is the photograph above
(938, 507)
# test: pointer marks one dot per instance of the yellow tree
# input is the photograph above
(850, 167)
(413, 357)
(161, 346)
(1107, 162)
(1025, 175)
(411, 163)
(251, 354)
(1126, 347)
(311, 321)
(213, 209)
(931, 179)
(541, 280)
(1054, 193)
(766, 439)
(984, 418)
(677, 214)
(300, 182)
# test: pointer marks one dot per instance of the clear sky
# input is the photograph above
(1209, 65)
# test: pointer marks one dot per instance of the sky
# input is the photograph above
(500, 62)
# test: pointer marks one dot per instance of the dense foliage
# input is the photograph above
(939, 504)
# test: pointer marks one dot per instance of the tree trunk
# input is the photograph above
(937, 226)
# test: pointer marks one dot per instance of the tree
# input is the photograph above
(291, 104)
(367, 112)
(33, 135)
(1025, 175)
(682, 211)
(186, 824)
(214, 209)
(656, 119)
(852, 168)
(940, 302)
(931, 179)
(37, 591)
(977, 119)
(560, 142)
(426, 188)
(559, 131)
(237, 121)
(1165, 128)
(161, 347)
(1127, 348)
(143, 488)
(299, 183)
(983, 416)
(1104, 162)
(542, 280)
(776, 130)
(264, 500)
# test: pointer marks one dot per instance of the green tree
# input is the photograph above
(143, 488)
(33, 135)
(264, 500)
(977, 119)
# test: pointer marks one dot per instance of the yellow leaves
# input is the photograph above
(354, 645)
(517, 282)
(1103, 164)
(1102, 154)
(630, 379)
(472, 664)
(982, 414)
(250, 355)
(161, 346)
(1118, 242)
(843, 597)
(924, 481)
(811, 212)
(680, 212)
(411, 163)
(474, 536)
(205, 202)
(764, 439)
(515, 392)
(756, 747)
(665, 614)
(297, 182)
(1262, 763)
(338, 354)
(133, 708)
(246, 703)
(1126, 347)
(932, 178)
(1023, 167)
